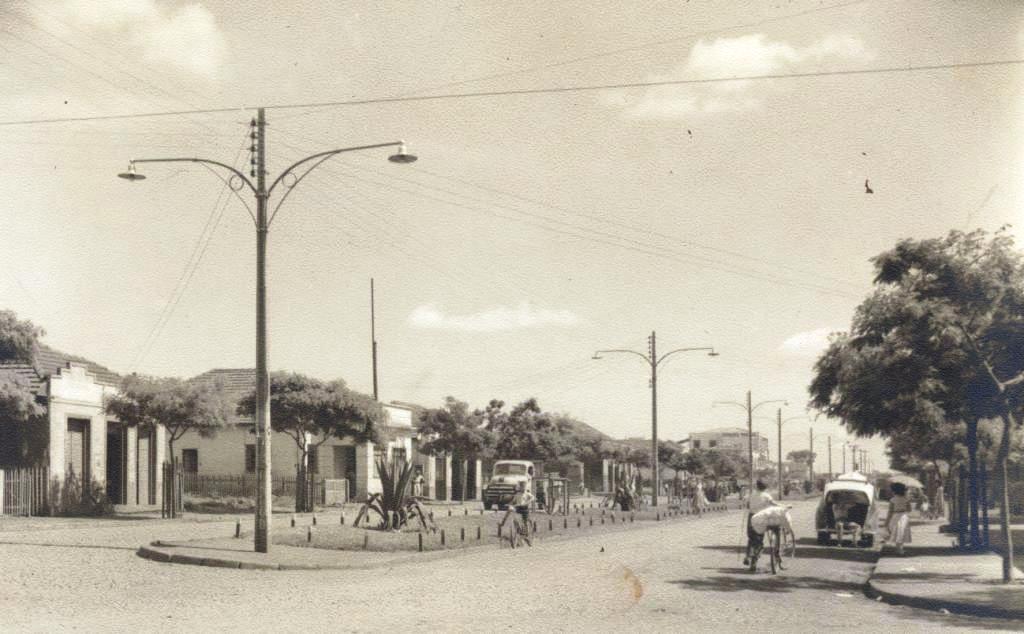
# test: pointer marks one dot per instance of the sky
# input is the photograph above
(535, 228)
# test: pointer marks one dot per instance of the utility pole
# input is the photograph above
(750, 442)
(263, 488)
(779, 419)
(830, 456)
(262, 220)
(810, 461)
(654, 361)
(654, 422)
(373, 342)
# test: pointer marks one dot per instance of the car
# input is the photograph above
(854, 491)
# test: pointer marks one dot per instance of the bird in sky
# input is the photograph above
(867, 187)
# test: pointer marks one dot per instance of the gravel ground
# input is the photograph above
(676, 576)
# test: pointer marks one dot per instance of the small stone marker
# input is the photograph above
(314, 519)
(449, 512)
(578, 522)
(591, 521)
(613, 518)
(309, 534)
(342, 519)
(550, 526)
(565, 522)
(419, 539)
(657, 516)
(477, 533)
(238, 528)
(462, 534)
(442, 537)
(465, 511)
(366, 540)
(293, 520)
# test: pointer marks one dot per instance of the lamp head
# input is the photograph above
(130, 174)
(713, 354)
(597, 356)
(402, 156)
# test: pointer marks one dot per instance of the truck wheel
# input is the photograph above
(487, 506)
(823, 538)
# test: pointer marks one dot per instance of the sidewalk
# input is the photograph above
(935, 576)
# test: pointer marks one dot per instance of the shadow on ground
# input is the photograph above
(86, 546)
(763, 582)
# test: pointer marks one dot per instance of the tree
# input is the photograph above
(311, 412)
(179, 406)
(19, 339)
(452, 429)
(527, 432)
(941, 339)
(19, 342)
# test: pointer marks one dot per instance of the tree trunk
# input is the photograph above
(465, 478)
(1004, 498)
(972, 482)
(300, 477)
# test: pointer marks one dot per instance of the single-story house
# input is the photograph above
(75, 437)
(232, 452)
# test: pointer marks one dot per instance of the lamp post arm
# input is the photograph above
(740, 405)
(234, 171)
(671, 352)
(639, 354)
(324, 155)
(754, 408)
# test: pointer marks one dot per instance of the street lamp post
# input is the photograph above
(236, 182)
(750, 409)
(653, 360)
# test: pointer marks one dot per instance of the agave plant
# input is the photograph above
(392, 505)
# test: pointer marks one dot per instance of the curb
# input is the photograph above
(150, 552)
(936, 605)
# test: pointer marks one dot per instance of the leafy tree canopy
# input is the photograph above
(453, 429)
(312, 411)
(19, 339)
(180, 406)
(527, 432)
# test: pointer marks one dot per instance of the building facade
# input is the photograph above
(232, 451)
(77, 439)
(733, 441)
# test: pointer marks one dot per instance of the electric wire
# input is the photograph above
(547, 90)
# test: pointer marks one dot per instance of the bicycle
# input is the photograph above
(521, 531)
(775, 544)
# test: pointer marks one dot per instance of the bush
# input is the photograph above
(75, 498)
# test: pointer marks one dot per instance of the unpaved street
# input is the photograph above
(683, 575)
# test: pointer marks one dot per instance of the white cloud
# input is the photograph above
(809, 343)
(430, 316)
(186, 38)
(736, 57)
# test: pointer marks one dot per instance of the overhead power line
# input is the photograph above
(534, 91)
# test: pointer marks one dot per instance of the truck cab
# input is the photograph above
(505, 479)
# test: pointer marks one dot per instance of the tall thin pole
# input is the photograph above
(830, 457)
(750, 442)
(844, 456)
(263, 494)
(781, 490)
(654, 419)
(810, 460)
(373, 341)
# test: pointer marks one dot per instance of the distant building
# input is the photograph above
(732, 441)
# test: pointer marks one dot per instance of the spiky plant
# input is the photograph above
(392, 505)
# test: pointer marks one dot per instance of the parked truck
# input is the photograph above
(505, 479)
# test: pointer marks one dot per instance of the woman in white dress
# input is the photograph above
(897, 524)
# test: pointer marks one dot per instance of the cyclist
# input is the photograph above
(520, 504)
(757, 502)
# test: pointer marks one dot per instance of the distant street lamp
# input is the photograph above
(653, 360)
(236, 182)
(779, 421)
(750, 428)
